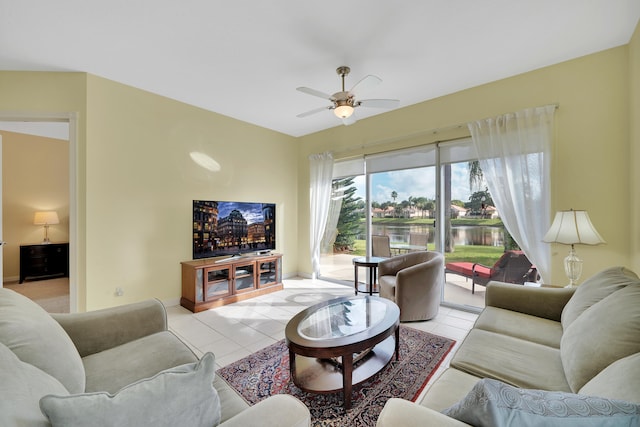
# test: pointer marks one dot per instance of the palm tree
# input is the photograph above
(476, 176)
(394, 196)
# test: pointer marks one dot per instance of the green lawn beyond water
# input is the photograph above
(486, 255)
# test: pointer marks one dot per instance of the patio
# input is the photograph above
(457, 289)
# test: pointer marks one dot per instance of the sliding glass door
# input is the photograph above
(430, 197)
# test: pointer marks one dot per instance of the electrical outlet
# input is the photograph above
(119, 292)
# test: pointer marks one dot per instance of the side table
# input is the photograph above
(370, 262)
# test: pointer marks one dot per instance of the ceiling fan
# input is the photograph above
(344, 102)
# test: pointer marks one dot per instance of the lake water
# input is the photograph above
(462, 235)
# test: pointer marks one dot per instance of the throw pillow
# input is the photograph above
(21, 387)
(595, 289)
(605, 332)
(36, 338)
(183, 395)
(492, 403)
(620, 380)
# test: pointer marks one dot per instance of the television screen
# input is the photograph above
(232, 228)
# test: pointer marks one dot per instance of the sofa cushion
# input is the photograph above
(183, 395)
(449, 388)
(620, 380)
(520, 325)
(37, 339)
(512, 360)
(492, 403)
(595, 289)
(145, 357)
(21, 387)
(605, 332)
(230, 401)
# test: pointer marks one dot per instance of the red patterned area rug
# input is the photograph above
(266, 373)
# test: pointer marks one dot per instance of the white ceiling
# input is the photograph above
(244, 59)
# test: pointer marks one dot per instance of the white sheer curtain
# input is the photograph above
(514, 151)
(320, 175)
(331, 228)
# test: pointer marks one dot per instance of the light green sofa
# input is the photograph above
(103, 351)
(583, 341)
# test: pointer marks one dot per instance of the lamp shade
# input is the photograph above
(573, 227)
(46, 218)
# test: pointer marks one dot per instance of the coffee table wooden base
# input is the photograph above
(323, 376)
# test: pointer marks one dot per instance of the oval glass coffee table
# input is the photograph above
(342, 342)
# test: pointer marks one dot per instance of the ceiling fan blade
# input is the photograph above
(349, 120)
(379, 103)
(314, 92)
(314, 111)
(365, 83)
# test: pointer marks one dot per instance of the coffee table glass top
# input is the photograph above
(343, 318)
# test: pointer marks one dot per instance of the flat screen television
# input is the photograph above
(232, 228)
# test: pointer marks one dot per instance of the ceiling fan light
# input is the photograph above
(343, 111)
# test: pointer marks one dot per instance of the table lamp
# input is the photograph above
(570, 228)
(46, 218)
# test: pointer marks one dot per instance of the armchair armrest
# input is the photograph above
(412, 281)
(390, 266)
(402, 413)
(99, 330)
(542, 302)
(280, 410)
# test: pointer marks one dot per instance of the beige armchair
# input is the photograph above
(414, 282)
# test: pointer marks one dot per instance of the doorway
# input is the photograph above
(48, 129)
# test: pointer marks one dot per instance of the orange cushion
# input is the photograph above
(466, 269)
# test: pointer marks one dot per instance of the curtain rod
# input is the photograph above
(408, 136)
(433, 131)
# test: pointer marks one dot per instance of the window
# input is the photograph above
(402, 191)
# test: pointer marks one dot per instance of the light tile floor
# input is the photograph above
(235, 331)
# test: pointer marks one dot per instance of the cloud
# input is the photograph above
(420, 182)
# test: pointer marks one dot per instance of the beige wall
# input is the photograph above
(590, 157)
(35, 177)
(135, 180)
(141, 182)
(45, 93)
(634, 158)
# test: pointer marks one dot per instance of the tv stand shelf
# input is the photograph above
(213, 282)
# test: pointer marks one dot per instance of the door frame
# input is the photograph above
(72, 119)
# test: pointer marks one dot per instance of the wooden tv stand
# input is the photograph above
(213, 282)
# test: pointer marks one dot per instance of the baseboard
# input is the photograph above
(172, 302)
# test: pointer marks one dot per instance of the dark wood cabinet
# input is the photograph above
(211, 282)
(44, 261)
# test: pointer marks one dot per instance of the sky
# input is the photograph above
(419, 182)
(252, 212)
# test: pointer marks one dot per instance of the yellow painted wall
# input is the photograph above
(590, 158)
(634, 158)
(44, 92)
(35, 177)
(141, 182)
(135, 180)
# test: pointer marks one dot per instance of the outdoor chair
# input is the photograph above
(414, 282)
(512, 267)
(380, 246)
(418, 239)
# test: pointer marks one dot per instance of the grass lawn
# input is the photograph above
(493, 222)
(486, 255)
